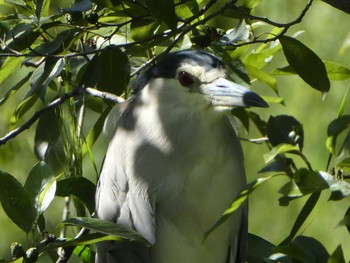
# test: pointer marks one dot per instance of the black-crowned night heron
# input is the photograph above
(175, 164)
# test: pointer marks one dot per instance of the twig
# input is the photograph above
(285, 26)
(78, 90)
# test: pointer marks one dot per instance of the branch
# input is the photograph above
(78, 90)
(285, 26)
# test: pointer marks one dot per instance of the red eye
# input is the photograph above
(185, 79)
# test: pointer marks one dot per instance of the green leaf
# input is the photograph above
(164, 11)
(259, 248)
(42, 8)
(10, 65)
(61, 43)
(12, 90)
(105, 227)
(334, 129)
(346, 220)
(79, 187)
(304, 249)
(262, 76)
(280, 149)
(23, 108)
(85, 254)
(309, 181)
(305, 63)
(108, 71)
(142, 28)
(95, 132)
(337, 256)
(47, 133)
(334, 70)
(43, 75)
(40, 186)
(285, 129)
(237, 202)
(16, 203)
(303, 215)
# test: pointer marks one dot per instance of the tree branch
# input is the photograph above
(78, 90)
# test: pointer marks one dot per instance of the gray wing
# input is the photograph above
(121, 198)
(239, 244)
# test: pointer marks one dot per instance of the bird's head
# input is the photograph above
(199, 73)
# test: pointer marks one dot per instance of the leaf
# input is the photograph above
(108, 71)
(339, 187)
(164, 11)
(280, 149)
(310, 181)
(239, 34)
(259, 248)
(304, 249)
(95, 132)
(142, 28)
(47, 133)
(43, 75)
(334, 70)
(336, 127)
(85, 254)
(79, 187)
(237, 202)
(342, 5)
(105, 227)
(305, 63)
(42, 8)
(16, 202)
(337, 256)
(263, 76)
(285, 129)
(40, 186)
(346, 220)
(21, 37)
(303, 215)
(23, 108)
(12, 91)
(10, 65)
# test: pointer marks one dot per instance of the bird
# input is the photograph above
(175, 164)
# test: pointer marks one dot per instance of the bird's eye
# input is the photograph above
(185, 79)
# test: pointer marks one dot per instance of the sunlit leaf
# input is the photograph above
(239, 34)
(142, 28)
(40, 186)
(262, 76)
(85, 254)
(10, 65)
(305, 63)
(339, 187)
(280, 149)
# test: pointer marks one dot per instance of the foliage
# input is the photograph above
(73, 63)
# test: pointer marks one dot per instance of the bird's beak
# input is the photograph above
(225, 93)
